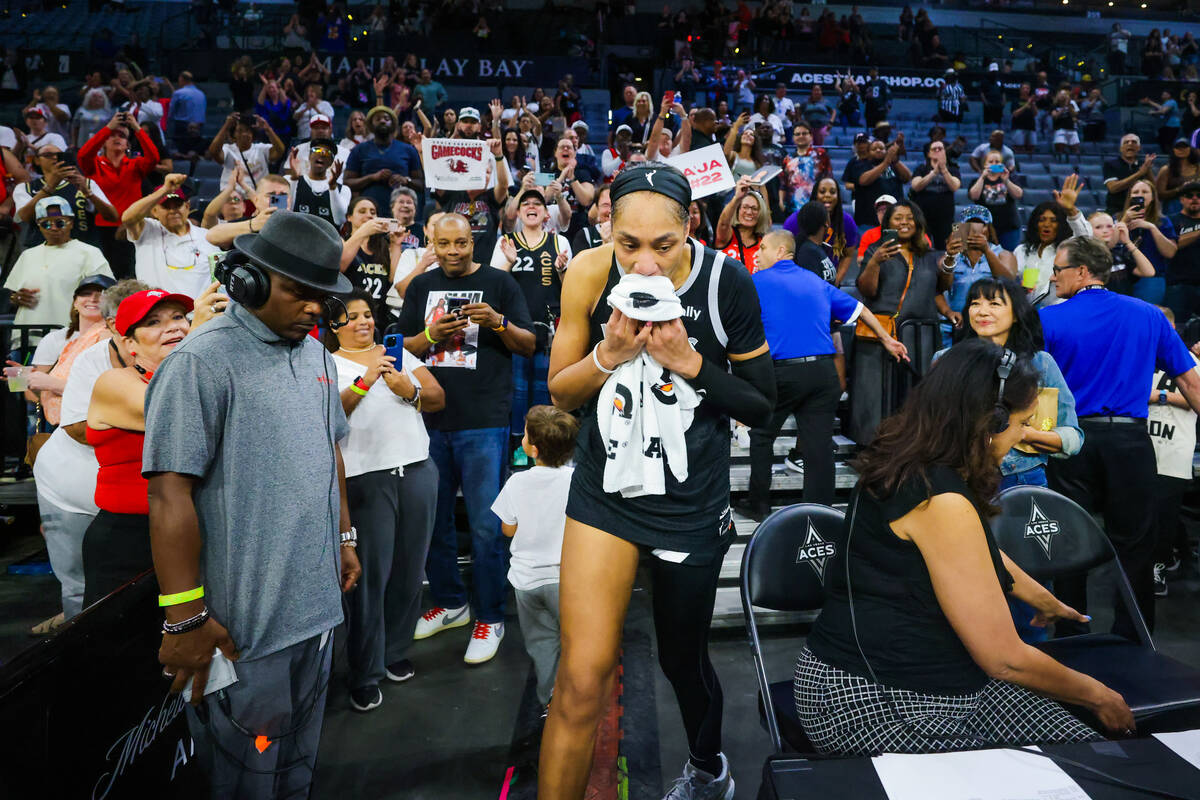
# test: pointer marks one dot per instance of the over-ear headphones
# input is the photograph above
(249, 284)
(244, 281)
(1004, 367)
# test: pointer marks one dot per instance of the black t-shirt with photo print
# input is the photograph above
(474, 366)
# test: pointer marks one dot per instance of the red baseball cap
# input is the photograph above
(133, 309)
(174, 194)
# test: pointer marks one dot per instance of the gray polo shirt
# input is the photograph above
(255, 418)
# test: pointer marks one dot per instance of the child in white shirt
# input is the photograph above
(532, 508)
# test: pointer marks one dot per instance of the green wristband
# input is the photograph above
(180, 598)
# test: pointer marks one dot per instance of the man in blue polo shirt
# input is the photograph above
(1108, 347)
(798, 308)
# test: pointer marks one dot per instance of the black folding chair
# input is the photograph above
(1048, 536)
(783, 569)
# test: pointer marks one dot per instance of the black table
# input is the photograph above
(1144, 762)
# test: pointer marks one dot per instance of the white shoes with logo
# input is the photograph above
(485, 640)
(437, 619)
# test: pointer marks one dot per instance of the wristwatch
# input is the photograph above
(349, 538)
(415, 400)
(1162, 397)
(502, 326)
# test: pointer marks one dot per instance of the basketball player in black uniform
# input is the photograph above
(718, 346)
(320, 193)
(536, 260)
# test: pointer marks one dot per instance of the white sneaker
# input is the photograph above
(741, 435)
(438, 619)
(696, 784)
(485, 640)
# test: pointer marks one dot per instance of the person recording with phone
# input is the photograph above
(467, 321)
(234, 146)
(216, 414)
(105, 158)
(971, 253)
(900, 280)
(391, 483)
(742, 224)
(60, 177)
(367, 254)
(915, 649)
(1153, 233)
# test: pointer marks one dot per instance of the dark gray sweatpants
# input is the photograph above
(394, 518)
(280, 696)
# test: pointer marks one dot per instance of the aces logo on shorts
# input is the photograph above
(815, 551)
(1041, 527)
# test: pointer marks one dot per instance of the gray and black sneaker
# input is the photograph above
(400, 671)
(366, 698)
(696, 784)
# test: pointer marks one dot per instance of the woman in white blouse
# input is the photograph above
(391, 484)
(1050, 224)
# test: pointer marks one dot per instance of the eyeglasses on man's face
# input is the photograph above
(1057, 269)
(56, 224)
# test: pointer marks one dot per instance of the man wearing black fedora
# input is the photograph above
(249, 525)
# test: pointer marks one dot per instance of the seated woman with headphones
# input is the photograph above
(915, 649)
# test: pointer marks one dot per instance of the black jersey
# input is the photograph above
(721, 315)
(370, 273)
(309, 201)
(539, 279)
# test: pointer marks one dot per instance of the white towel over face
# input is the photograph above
(648, 298)
(644, 409)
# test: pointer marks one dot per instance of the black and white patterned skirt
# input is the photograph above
(844, 714)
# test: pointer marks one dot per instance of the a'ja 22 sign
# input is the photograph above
(706, 170)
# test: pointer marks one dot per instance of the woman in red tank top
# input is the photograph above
(744, 221)
(116, 546)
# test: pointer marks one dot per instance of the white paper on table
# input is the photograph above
(975, 775)
(1185, 744)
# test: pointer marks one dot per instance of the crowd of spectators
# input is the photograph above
(97, 207)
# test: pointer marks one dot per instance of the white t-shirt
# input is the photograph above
(7, 137)
(36, 143)
(56, 272)
(404, 265)
(303, 130)
(1172, 431)
(255, 161)
(51, 347)
(164, 260)
(63, 129)
(65, 470)
(339, 202)
(772, 120)
(385, 431)
(302, 149)
(783, 107)
(536, 502)
(23, 197)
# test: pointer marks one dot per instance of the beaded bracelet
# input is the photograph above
(186, 626)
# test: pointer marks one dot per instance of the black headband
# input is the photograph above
(661, 178)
